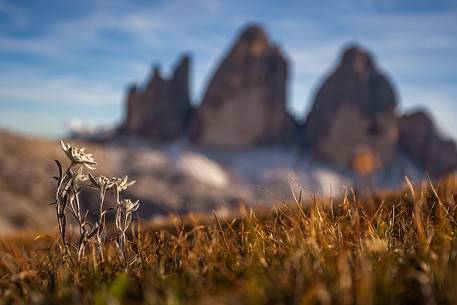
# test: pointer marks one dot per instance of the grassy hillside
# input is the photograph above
(167, 181)
(398, 248)
(26, 184)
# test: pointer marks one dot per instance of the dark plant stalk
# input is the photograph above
(61, 202)
(69, 186)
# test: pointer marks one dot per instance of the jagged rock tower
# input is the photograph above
(353, 116)
(160, 112)
(420, 139)
(245, 102)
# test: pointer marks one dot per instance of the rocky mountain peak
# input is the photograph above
(254, 39)
(358, 61)
(156, 73)
(245, 102)
(420, 139)
(353, 122)
(160, 112)
(253, 33)
(353, 112)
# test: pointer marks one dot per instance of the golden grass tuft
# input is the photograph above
(397, 248)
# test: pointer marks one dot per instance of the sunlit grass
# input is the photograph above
(397, 248)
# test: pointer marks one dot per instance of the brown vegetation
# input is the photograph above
(398, 248)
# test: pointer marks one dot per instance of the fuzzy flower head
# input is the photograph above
(121, 184)
(101, 182)
(78, 156)
(80, 177)
(129, 206)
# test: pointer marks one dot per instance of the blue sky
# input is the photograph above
(64, 61)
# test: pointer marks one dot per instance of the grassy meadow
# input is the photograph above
(393, 248)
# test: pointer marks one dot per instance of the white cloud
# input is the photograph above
(57, 90)
(64, 39)
(31, 123)
(34, 46)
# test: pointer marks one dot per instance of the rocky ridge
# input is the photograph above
(160, 112)
(245, 102)
(420, 139)
(353, 123)
(354, 114)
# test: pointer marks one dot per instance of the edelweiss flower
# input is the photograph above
(80, 177)
(121, 184)
(128, 206)
(101, 182)
(78, 156)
